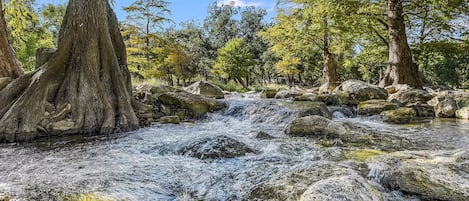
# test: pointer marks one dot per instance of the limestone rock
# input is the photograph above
(361, 91)
(216, 148)
(351, 187)
(206, 89)
(315, 126)
(411, 96)
(399, 116)
(374, 107)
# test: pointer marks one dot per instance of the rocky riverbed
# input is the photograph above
(249, 151)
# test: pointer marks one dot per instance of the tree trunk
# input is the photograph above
(401, 68)
(330, 77)
(84, 88)
(9, 65)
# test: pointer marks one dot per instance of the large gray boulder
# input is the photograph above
(306, 108)
(374, 107)
(437, 175)
(411, 96)
(284, 94)
(343, 188)
(205, 89)
(194, 104)
(446, 108)
(315, 126)
(216, 148)
(360, 91)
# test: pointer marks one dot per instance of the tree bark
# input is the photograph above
(330, 77)
(85, 85)
(401, 68)
(9, 65)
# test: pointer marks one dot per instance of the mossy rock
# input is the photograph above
(308, 108)
(364, 154)
(399, 116)
(268, 93)
(195, 104)
(374, 107)
(170, 120)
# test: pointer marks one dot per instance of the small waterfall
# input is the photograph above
(259, 111)
(376, 173)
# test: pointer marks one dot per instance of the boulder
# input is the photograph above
(206, 89)
(291, 185)
(160, 89)
(411, 96)
(268, 93)
(195, 105)
(170, 120)
(446, 108)
(360, 91)
(423, 110)
(284, 94)
(374, 107)
(462, 113)
(216, 148)
(315, 126)
(4, 81)
(350, 187)
(432, 175)
(306, 97)
(399, 116)
(311, 108)
(264, 136)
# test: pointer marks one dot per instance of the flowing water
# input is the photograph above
(146, 164)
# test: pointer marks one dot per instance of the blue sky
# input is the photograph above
(183, 10)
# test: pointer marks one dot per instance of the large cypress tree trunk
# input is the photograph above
(84, 88)
(401, 68)
(9, 66)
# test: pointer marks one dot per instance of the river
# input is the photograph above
(146, 164)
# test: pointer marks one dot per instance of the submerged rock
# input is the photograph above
(315, 126)
(205, 89)
(361, 91)
(217, 148)
(431, 175)
(374, 107)
(343, 188)
(264, 136)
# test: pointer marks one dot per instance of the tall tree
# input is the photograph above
(84, 88)
(9, 66)
(51, 19)
(307, 26)
(401, 69)
(148, 16)
(234, 61)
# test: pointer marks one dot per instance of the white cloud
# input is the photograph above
(241, 3)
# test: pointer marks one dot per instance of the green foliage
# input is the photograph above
(234, 60)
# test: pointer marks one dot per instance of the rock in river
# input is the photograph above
(361, 91)
(216, 148)
(374, 107)
(315, 126)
